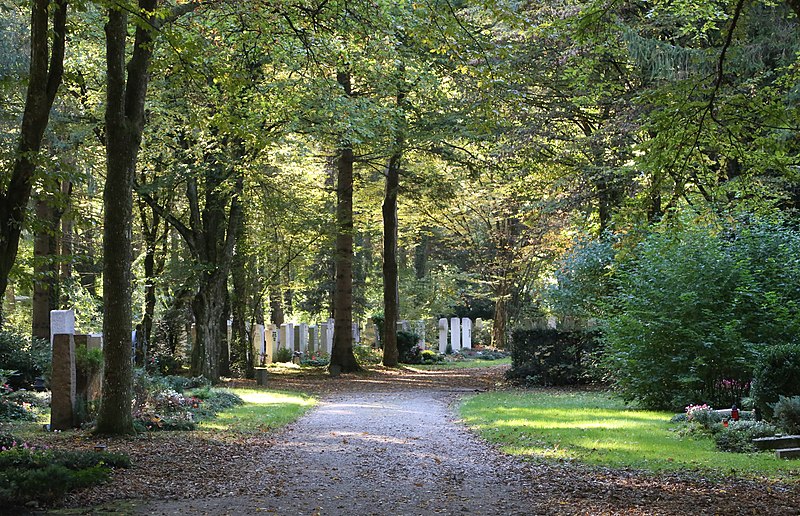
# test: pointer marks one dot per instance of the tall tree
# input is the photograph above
(125, 121)
(391, 291)
(46, 72)
(342, 358)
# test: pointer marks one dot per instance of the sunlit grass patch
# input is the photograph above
(598, 429)
(462, 364)
(263, 410)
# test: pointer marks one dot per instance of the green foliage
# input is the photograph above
(366, 355)
(283, 355)
(695, 304)
(160, 403)
(787, 414)
(552, 357)
(216, 400)
(88, 360)
(183, 383)
(316, 360)
(28, 358)
(427, 356)
(738, 436)
(583, 279)
(8, 441)
(45, 476)
(407, 349)
(777, 374)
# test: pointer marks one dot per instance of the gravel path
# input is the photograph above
(374, 454)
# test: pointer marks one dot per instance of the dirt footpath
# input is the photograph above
(391, 445)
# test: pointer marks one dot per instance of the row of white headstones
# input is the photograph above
(309, 339)
(315, 338)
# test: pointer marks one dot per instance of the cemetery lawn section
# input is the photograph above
(263, 410)
(462, 364)
(598, 429)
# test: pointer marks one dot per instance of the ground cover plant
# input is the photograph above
(34, 475)
(161, 403)
(598, 429)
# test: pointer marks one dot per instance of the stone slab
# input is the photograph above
(774, 443)
(788, 453)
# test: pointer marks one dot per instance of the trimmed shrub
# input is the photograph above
(787, 414)
(551, 357)
(407, 349)
(427, 356)
(777, 374)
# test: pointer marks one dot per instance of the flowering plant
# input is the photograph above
(695, 411)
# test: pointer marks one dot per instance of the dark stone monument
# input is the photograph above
(62, 383)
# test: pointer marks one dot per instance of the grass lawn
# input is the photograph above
(597, 429)
(461, 364)
(263, 410)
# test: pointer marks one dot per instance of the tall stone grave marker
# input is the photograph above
(259, 351)
(442, 335)
(63, 382)
(466, 333)
(302, 338)
(455, 333)
(270, 343)
(326, 336)
(313, 338)
(287, 336)
(419, 329)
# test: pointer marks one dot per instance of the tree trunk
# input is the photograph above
(275, 306)
(391, 290)
(124, 127)
(500, 322)
(46, 70)
(45, 268)
(342, 358)
(208, 307)
(150, 230)
(240, 347)
(391, 294)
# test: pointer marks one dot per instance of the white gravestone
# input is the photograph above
(271, 344)
(442, 335)
(551, 323)
(287, 336)
(259, 351)
(455, 333)
(302, 346)
(230, 335)
(356, 333)
(62, 322)
(466, 333)
(329, 336)
(419, 329)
